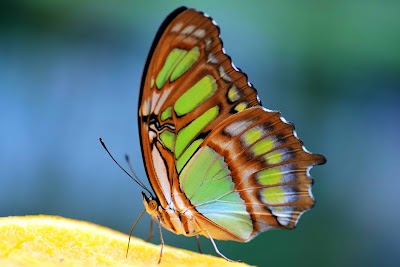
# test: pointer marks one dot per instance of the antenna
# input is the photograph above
(133, 172)
(133, 177)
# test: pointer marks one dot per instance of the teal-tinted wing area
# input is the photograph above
(207, 183)
(253, 168)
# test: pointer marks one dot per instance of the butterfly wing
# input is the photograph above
(249, 175)
(201, 125)
(189, 85)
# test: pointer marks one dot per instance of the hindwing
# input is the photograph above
(252, 172)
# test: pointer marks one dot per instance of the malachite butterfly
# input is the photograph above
(220, 164)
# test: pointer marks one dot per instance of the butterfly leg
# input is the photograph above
(162, 241)
(130, 233)
(198, 244)
(215, 247)
(151, 231)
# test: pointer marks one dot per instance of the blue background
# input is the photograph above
(70, 73)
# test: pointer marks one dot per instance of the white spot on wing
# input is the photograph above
(199, 33)
(161, 100)
(224, 75)
(308, 171)
(236, 128)
(188, 29)
(146, 107)
(234, 67)
(283, 214)
(177, 27)
(208, 44)
(284, 120)
(304, 148)
(152, 135)
(162, 175)
(310, 193)
(212, 59)
(154, 100)
(284, 221)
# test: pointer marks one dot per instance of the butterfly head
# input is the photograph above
(150, 204)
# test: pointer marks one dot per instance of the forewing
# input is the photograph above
(189, 86)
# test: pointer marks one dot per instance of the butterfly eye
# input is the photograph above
(152, 205)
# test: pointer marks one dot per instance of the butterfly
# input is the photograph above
(220, 164)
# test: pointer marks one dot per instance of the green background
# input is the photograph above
(70, 73)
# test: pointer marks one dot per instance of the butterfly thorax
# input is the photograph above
(175, 217)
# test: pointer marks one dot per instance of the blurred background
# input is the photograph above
(70, 73)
